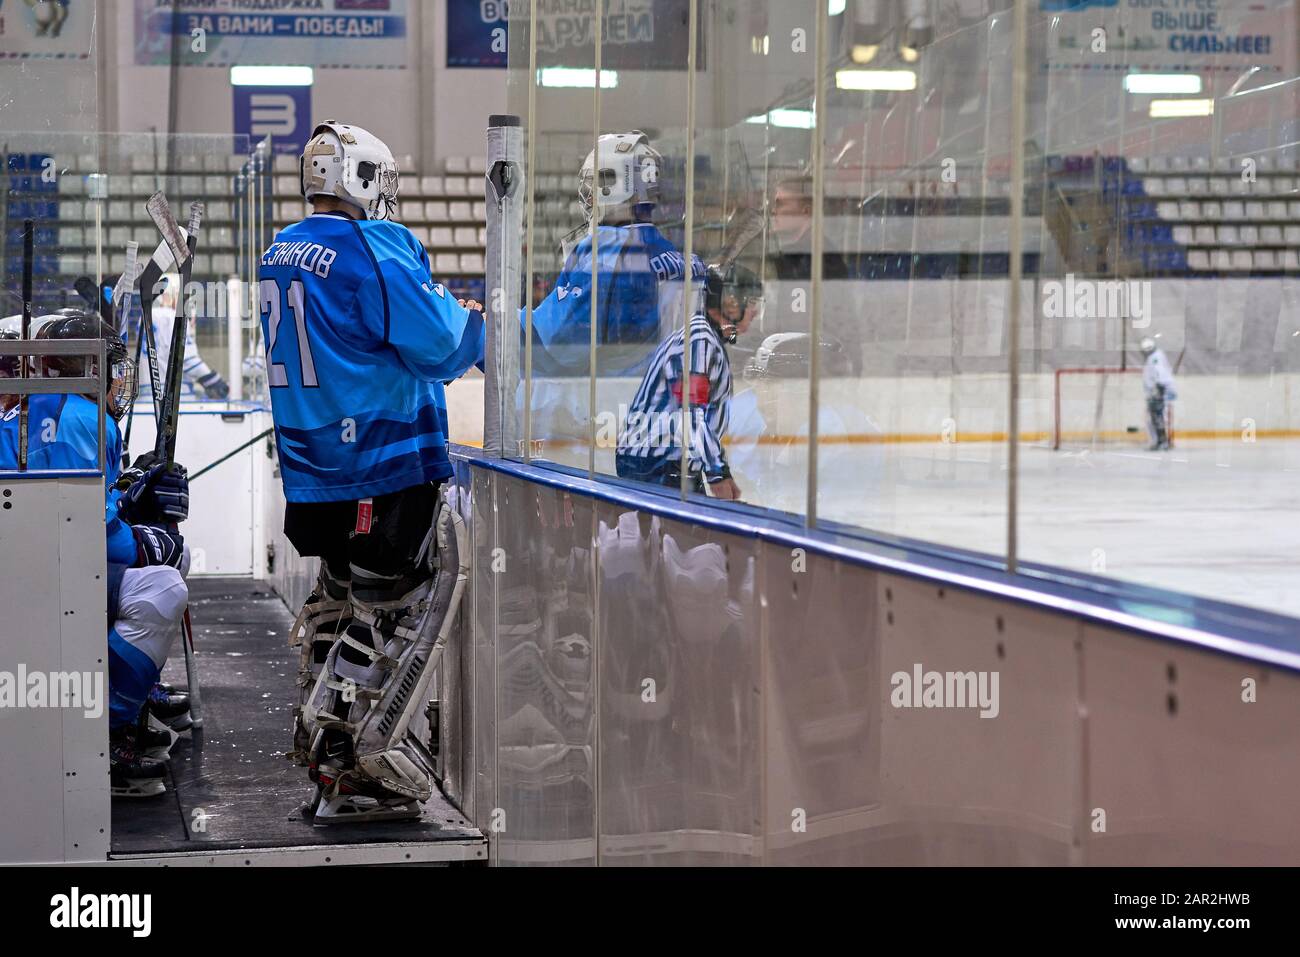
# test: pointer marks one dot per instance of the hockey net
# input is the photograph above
(1100, 407)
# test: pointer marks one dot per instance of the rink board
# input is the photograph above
(52, 619)
(1133, 726)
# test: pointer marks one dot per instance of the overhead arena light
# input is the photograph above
(576, 77)
(896, 80)
(864, 52)
(1167, 109)
(1163, 83)
(786, 118)
(835, 7)
(271, 76)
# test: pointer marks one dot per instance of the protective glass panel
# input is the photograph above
(554, 405)
(914, 371)
(48, 113)
(1158, 436)
(753, 227)
(649, 278)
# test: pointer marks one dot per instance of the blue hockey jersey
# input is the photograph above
(63, 434)
(639, 292)
(359, 342)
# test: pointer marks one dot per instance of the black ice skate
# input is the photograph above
(131, 774)
(170, 706)
(153, 739)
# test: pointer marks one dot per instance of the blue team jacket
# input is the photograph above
(62, 433)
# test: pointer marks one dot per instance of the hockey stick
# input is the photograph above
(160, 212)
(192, 672)
(28, 264)
(166, 444)
(747, 224)
(158, 263)
(175, 247)
(172, 245)
(165, 447)
(121, 303)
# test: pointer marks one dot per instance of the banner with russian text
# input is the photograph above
(318, 33)
(1206, 36)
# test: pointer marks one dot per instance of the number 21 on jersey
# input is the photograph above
(274, 304)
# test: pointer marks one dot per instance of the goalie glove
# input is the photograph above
(157, 496)
(157, 546)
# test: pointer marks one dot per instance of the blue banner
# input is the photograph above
(476, 33)
(319, 33)
(635, 34)
(281, 112)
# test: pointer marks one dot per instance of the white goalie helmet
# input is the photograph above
(1147, 346)
(351, 164)
(628, 175)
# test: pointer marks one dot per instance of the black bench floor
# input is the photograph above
(230, 786)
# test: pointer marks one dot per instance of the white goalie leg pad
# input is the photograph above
(324, 617)
(375, 703)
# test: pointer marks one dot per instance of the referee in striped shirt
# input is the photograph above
(650, 439)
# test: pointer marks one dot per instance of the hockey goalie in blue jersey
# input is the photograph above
(360, 341)
(640, 274)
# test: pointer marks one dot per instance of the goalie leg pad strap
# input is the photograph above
(377, 678)
(325, 615)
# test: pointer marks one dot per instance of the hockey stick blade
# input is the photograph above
(745, 226)
(126, 281)
(162, 257)
(87, 290)
(166, 445)
(196, 218)
(161, 214)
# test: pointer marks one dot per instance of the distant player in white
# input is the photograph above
(199, 378)
(1158, 387)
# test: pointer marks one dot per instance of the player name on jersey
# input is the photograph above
(313, 257)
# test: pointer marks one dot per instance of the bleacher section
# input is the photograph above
(1172, 216)
(52, 190)
(1181, 215)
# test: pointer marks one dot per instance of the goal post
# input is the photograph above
(1100, 406)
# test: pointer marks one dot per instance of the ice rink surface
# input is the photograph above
(1213, 518)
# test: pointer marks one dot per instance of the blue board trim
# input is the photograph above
(8, 474)
(1155, 613)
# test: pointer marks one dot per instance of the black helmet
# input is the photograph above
(83, 324)
(731, 282)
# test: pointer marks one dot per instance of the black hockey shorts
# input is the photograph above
(383, 537)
